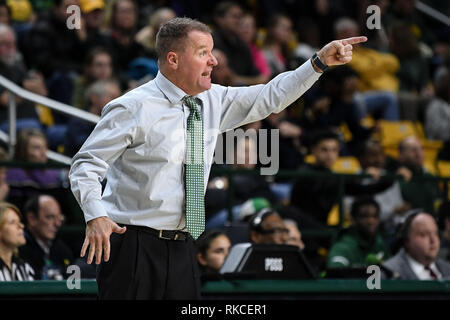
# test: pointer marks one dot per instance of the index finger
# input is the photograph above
(354, 40)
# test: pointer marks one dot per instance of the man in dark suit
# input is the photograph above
(47, 254)
(418, 257)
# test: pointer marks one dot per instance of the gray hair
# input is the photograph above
(344, 24)
(99, 88)
(4, 28)
(290, 222)
(172, 34)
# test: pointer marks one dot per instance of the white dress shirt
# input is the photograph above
(420, 271)
(139, 145)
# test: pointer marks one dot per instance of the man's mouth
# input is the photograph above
(206, 74)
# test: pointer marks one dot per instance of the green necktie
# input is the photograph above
(195, 202)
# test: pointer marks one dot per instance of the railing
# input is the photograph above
(319, 175)
(253, 289)
(13, 91)
(229, 172)
(426, 9)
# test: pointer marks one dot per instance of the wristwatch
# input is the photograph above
(319, 64)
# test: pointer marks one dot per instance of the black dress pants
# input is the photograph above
(143, 266)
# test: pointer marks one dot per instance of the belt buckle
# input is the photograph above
(162, 237)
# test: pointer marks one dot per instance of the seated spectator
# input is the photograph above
(377, 79)
(361, 244)
(309, 42)
(245, 186)
(266, 226)
(4, 187)
(222, 74)
(330, 104)
(392, 205)
(122, 23)
(97, 95)
(315, 195)
(414, 74)
(12, 268)
(147, 35)
(226, 37)
(276, 45)
(376, 70)
(437, 116)
(421, 191)
(290, 143)
(310, 246)
(91, 32)
(54, 50)
(97, 66)
(213, 247)
(294, 234)
(25, 182)
(418, 257)
(13, 68)
(248, 33)
(48, 255)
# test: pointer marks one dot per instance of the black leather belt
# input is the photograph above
(161, 234)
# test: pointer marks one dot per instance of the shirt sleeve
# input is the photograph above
(338, 257)
(242, 105)
(111, 136)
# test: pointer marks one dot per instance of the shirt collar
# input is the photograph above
(418, 267)
(173, 93)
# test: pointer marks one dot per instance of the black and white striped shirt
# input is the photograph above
(20, 271)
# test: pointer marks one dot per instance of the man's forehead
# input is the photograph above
(48, 204)
(273, 219)
(199, 38)
(328, 143)
(423, 222)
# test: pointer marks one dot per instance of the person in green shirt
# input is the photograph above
(361, 244)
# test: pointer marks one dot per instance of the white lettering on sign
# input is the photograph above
(274, 264)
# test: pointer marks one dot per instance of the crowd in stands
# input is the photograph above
(384, 118)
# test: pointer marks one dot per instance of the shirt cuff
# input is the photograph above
(93, 209)
(306, 74)
(310, 66)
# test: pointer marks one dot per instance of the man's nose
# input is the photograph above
(213, 61)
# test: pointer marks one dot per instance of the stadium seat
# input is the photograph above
(347, 165)
(309, 159)
(333, 217)
(393, 132)
(443, 168)
(430, 166)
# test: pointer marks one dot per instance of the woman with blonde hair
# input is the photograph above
(12, 268)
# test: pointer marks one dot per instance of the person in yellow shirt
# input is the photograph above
(377, 70)
(378, 83)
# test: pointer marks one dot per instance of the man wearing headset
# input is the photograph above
(266, 226)
(418, 257)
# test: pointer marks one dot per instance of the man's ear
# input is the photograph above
(172, 60)
(31, 218)
(201, 259)
(255, 237)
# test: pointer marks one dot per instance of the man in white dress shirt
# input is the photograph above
(138, 224)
